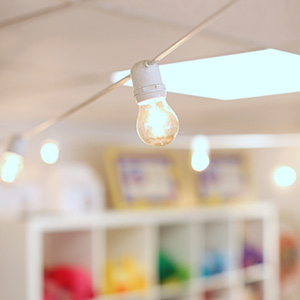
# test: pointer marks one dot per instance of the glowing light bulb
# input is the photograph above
(200, 161)
(157, 124)
(284, 176)
(200, 153)
(50, 152)
(12, 160)
(11, 166)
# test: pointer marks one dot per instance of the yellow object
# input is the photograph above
(124, 276)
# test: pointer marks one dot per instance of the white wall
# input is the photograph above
(264, 161)
(86, 143)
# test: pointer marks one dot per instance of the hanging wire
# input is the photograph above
(191, 34)
(45, 125)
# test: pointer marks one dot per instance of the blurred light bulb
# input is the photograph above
(200, 143)
(157, 124)
(200, 149)
(200, 161)
(11, 166)
(284, 176)
(12, 161)
(50, 152)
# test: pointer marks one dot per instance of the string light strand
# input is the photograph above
(45, 125)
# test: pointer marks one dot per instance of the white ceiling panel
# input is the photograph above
(268, 23)
(15, 9)
(55, 61)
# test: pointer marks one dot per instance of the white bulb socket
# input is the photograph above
(16, 145)
(147, 82)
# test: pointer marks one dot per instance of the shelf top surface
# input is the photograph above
(115, 219)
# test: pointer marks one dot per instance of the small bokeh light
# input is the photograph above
(284, 176)
(50, 151)
(200, 149)
(200, 161)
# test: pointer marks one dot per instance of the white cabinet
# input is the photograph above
(221, 253)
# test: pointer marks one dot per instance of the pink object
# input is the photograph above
(67, 283)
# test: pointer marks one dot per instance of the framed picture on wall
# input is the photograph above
(225, 180)
(143, 178)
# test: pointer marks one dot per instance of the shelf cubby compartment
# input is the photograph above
(219, 294)
(254, 291)
(134, 295)
(252, 257)
(174, 260)
(72, 248)
(127, 269)
(216, 262)
(66, 256)
(253, 243)
(178, 298)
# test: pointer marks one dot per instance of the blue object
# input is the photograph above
(215, 262)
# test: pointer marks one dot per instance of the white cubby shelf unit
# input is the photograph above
(189, 236)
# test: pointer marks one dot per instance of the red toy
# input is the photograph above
(67, 283)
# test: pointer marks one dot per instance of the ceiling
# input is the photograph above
(56, 54)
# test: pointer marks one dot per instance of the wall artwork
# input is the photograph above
(143, 179)
(226, 180)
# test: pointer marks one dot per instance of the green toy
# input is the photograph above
(169, 271)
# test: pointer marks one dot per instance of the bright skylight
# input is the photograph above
(230, 77)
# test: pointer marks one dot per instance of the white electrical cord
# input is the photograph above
(43, 126)
(191, 34)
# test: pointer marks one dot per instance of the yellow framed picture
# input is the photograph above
(141, 178)
(226, 180)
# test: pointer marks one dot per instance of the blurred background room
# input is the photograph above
(102, 196)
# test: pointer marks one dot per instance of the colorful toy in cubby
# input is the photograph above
(252, 255)
(169, 271)
(289, 261)
(215, 262)
(67, 282)
(124, 276)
